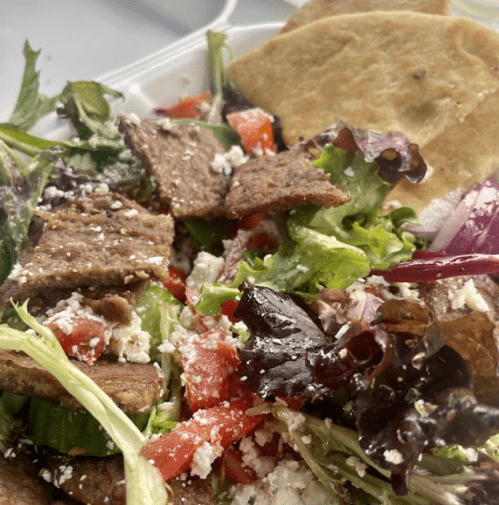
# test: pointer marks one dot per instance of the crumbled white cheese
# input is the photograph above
(469, 296)
(203, 458)
(290, 483)
(133, 119)
(359, 466)
(252, 458)
(206, 269)
(166, 124)
(224, 163)
(393, 456)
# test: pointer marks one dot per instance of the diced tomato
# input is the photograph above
(188, 108)
(206, 378)
(86, 341)
(228, 353)
(260, 241)
(232, 467)
(207, 367)
(250, 221)
(254, 126)
(228, 307)
(220, 426)
(176, 283)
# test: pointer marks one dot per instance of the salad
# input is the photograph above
(194, 310)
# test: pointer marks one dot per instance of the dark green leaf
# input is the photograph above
(84, 103)
(31, 105)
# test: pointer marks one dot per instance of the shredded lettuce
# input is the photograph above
(144, 483)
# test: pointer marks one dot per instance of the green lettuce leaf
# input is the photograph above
(158, 310)
(359, 222)
(31, 105)
(305, 264)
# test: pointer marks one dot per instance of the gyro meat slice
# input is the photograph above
(100, 481)
(20, 485)
(135, 387)
(180, 157)
(277, 183)
(98, 240)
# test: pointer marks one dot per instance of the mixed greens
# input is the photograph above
(380, 421)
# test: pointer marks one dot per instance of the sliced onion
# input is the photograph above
(434, 215)
(473, 227)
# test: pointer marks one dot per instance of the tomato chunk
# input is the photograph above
(207, 378)
(254, 126)
(220, 426)
(232, 467)
(176, 284)
(85, 340)
(188, 108)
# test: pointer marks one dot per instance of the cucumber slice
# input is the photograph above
(71, 432)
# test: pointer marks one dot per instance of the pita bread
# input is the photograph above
(464, 154)
(318, 9)
(385, 71)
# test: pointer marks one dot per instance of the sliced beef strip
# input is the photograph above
(98, 240)
(180, 157)
(20, 485)
(279, 183)
(134, 387)
(95, 479)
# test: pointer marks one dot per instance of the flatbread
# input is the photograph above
(385, 71)
(464, 154)
(318, 9)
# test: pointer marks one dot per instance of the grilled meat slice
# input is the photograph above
(100, 481)
(134, 387)
(278, 183)
(98, 240)
(180, 158)
(19, 483)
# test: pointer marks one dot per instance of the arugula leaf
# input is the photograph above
(84, 103)
(20, 141)
(31, 105)
(144, 484)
